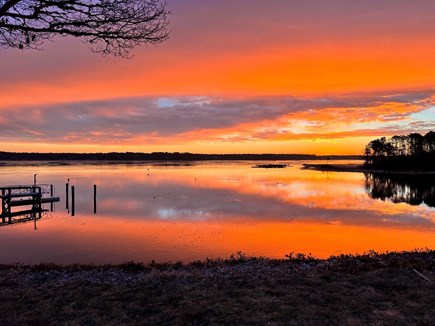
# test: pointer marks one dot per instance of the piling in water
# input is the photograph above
(66, 195)
(51, 195)
(72, 200)
(95, 199)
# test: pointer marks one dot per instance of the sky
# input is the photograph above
(281, 76)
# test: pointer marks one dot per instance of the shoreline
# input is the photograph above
(360, 169)
(156, 162)
(390, 288)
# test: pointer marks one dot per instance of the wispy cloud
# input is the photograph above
(206, 118)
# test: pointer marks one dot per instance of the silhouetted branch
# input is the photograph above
(110, 26)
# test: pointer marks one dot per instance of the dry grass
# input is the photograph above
(347, 290)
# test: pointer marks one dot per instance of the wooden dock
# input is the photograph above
(29, 199)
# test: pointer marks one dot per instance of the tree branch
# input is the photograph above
(7, 5)
(109, 26)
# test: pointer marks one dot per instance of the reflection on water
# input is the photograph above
(413, 190)
(31, 215)
(209, 209)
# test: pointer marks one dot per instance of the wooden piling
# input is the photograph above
(8, 206)
(73, 201)
(95, 199)
(67, 195)
(3, 205)
(36, 200)
(51, 195)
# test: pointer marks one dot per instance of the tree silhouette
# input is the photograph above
(402, 151)
(429, 142)
(416, 144)
(378, 150)
(109, 26)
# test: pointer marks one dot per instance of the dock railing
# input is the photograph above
(31, 196)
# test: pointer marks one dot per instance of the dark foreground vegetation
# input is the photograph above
(387, 289)
(161, 156)
(402, 152)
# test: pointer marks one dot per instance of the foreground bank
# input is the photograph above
(394, 288)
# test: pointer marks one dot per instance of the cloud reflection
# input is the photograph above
(210, 210)
(204, 193)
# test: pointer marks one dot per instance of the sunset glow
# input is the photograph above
(161, 212)
(283, 77)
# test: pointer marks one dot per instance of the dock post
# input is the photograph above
(66, 195)
(37, 206)
(37, 201)
(7, 206)
(95, 199)
(34, 197)
(72, 200)
(51, 195)
(3, 205)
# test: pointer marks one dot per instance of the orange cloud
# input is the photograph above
(283, 50)
(222, 124)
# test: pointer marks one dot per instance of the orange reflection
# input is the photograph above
(325, 190)
(209, 210)
(291, 186)
(142, 240)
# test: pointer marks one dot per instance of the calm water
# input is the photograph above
(214, 209)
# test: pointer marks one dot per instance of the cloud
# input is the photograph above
(157, 119)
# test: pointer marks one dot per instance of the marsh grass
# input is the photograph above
(372, 288)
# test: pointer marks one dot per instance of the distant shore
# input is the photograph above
(165, 156)
(360, 168)
(392, 288)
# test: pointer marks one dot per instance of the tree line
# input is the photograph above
(402, 152)
(163, 156)
(156, 156)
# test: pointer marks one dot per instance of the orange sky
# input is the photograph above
(286, 77)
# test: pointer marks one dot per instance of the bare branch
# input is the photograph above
(7, 5)
(109, 26)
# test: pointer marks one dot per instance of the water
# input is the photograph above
(214, 209)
